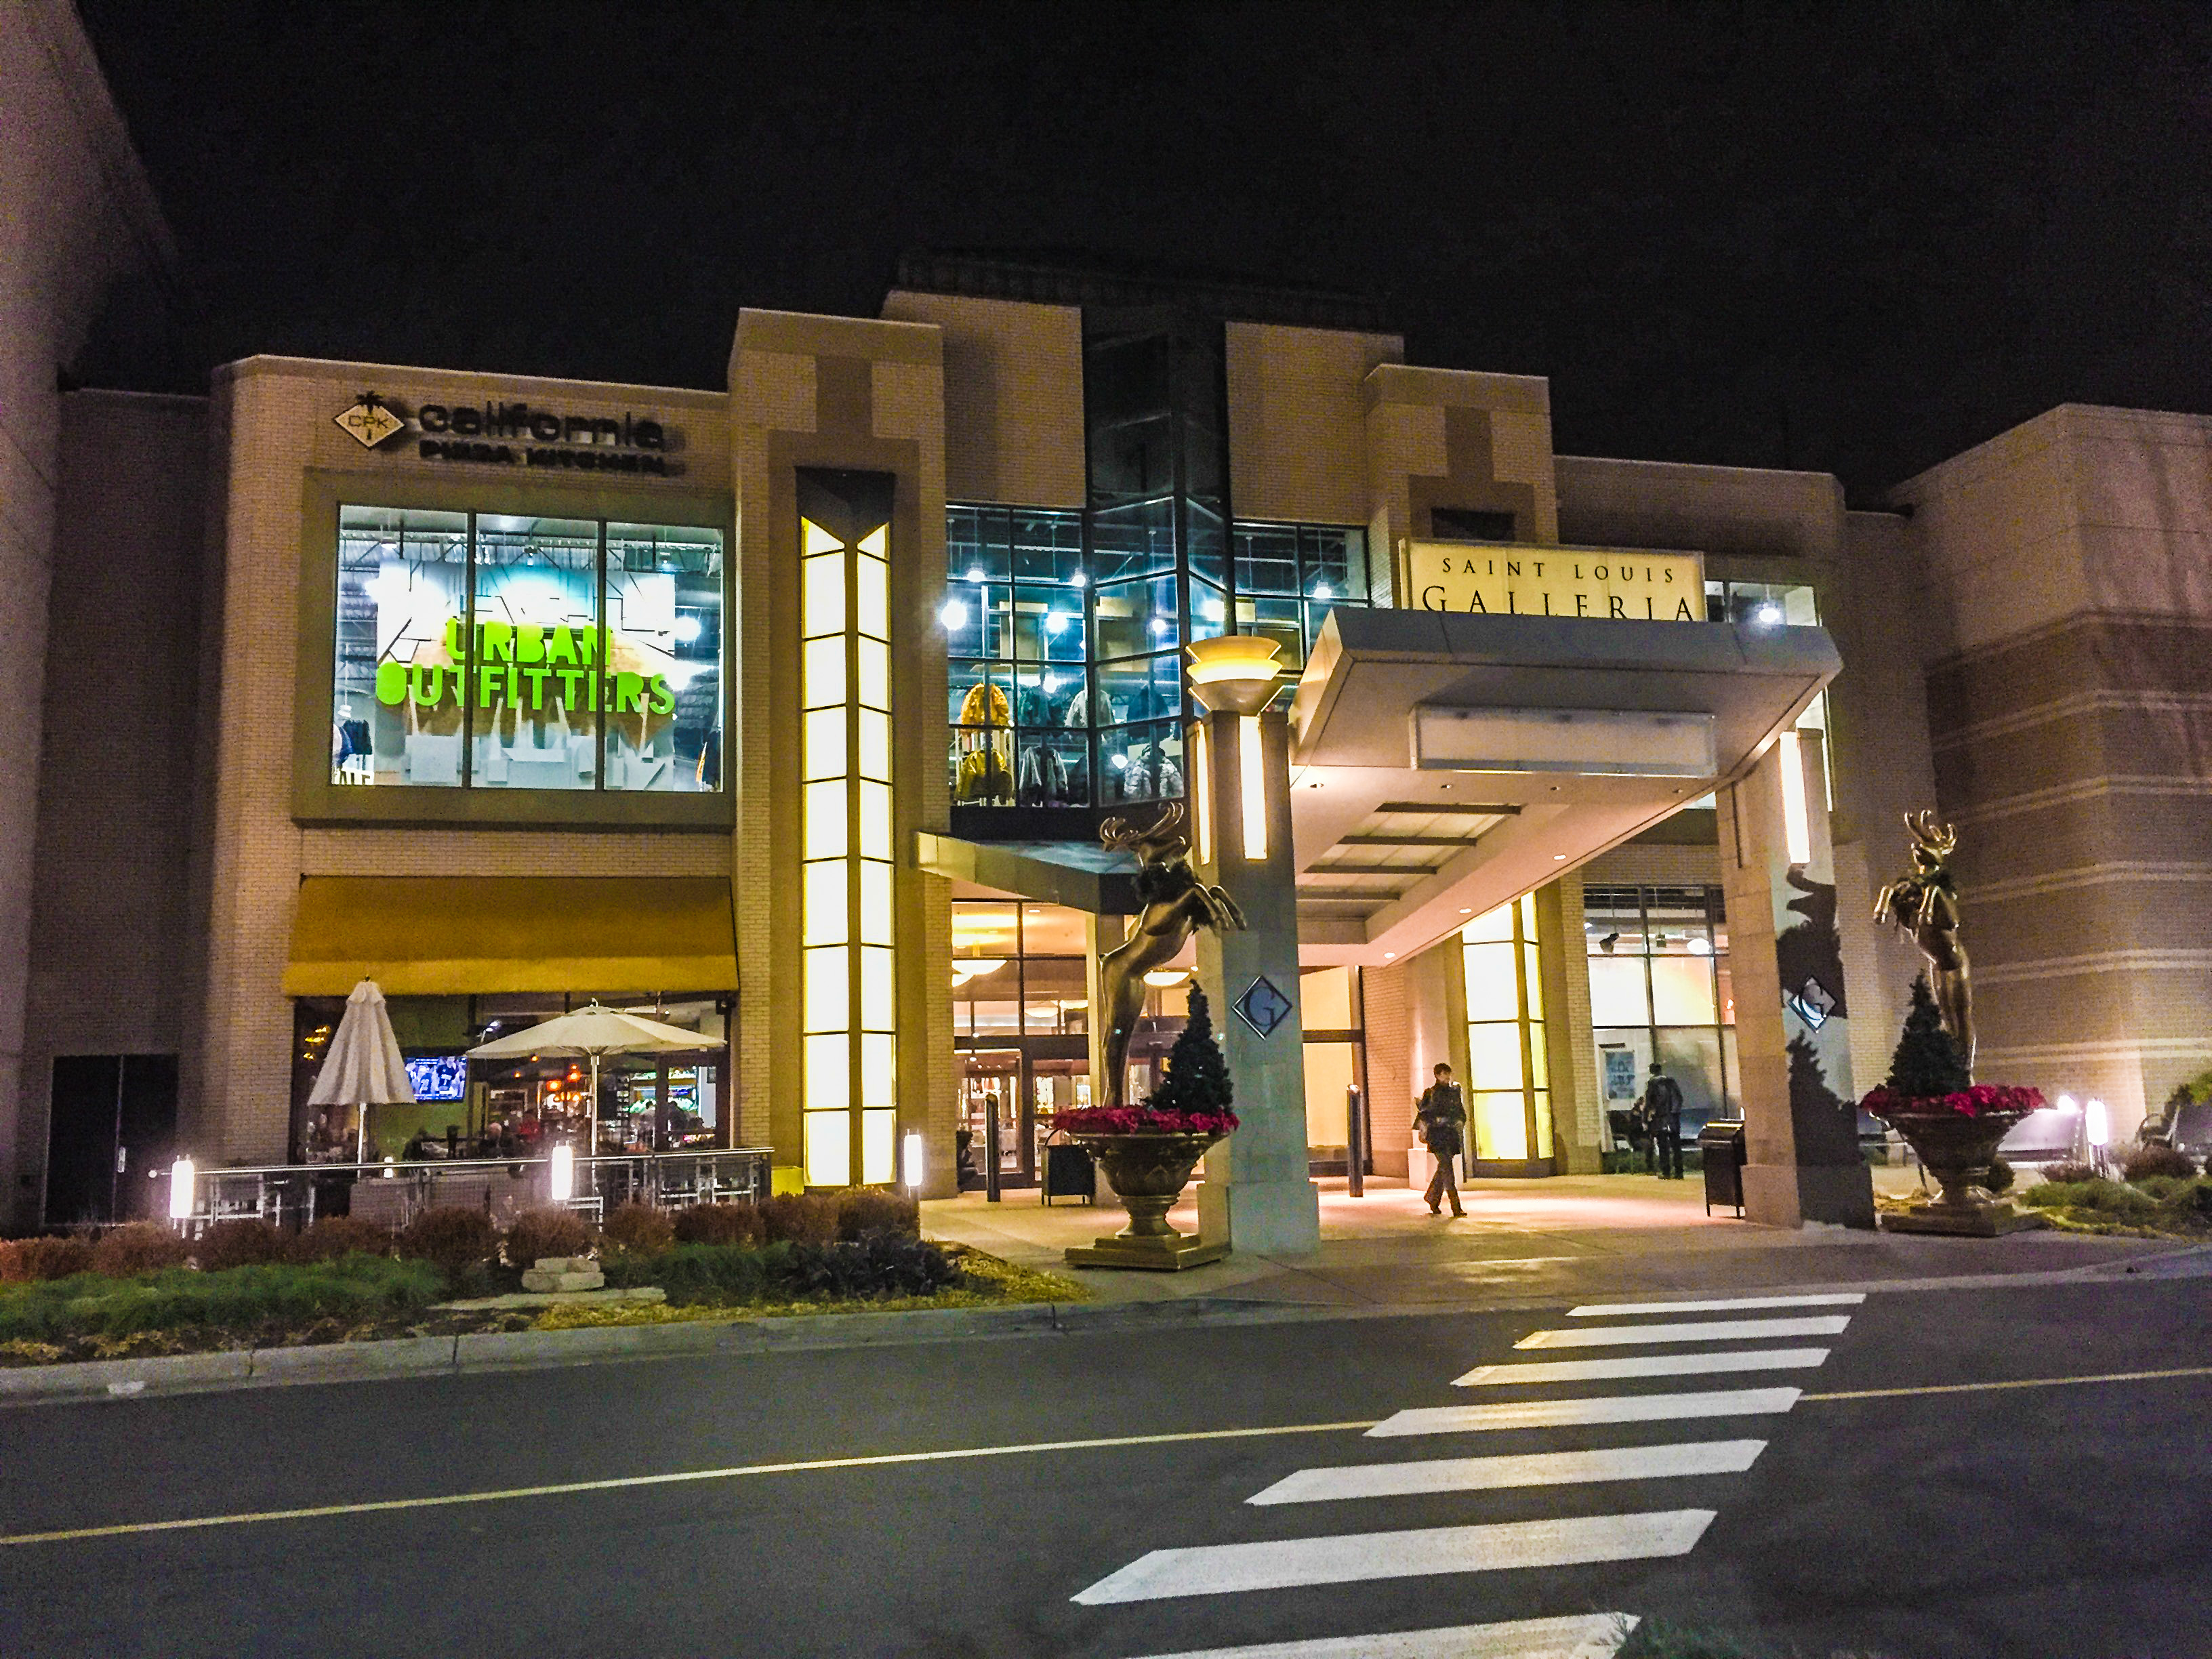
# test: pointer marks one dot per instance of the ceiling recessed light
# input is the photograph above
(1467, 910)
(1390, 956)
(1558, 858)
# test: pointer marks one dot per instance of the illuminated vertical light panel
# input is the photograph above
(1201, 773)
(1508, 1085)
(849, 989)
(1252, 787)
(1796, 827)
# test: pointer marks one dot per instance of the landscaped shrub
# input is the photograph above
(246, 1301)
(334, 1235)
(141, 1247)
(32, 1260)
(713, 1274)
(2156, 1160)
(453, 1239)
(881, 1264)
(2166, 1188)
(640, 1228)
(864, 1210)
(800, 1219)
(244, 1242)
(551, 1230)
(2000, 1177)
(720, 1223)
(2067, 1174)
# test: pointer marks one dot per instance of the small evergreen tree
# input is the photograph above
(1927, 1061)
(1198, 1075)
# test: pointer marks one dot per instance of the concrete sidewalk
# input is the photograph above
(1570, 1238)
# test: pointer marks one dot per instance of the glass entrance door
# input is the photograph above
(993, 1110)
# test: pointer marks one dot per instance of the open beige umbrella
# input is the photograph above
(363, 1067)
(594, 1031)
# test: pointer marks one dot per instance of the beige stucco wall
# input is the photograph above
(79, 231)
(273, 422)
(1013, 397)
(2065, 575)
(1297, 447)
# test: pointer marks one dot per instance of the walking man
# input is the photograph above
(1439, 1122)
(1663, 1111)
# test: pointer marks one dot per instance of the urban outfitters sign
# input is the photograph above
(1509, 578)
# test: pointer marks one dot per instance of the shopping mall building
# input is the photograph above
(792, 711)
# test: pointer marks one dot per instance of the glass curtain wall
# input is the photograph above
(1018, 624)
(496, 651)
(1289, 576)
(1509, 1102)
(1660, 988)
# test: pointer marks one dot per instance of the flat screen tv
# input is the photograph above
(439, 1077)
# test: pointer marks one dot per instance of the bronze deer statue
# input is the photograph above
(1925, 904)
(1176, 904)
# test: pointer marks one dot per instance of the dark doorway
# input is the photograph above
(110, 1135)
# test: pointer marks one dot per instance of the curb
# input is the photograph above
(508, 1351)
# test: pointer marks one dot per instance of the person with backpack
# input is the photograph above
(1662, 1116)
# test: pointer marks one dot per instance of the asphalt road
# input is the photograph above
(2038, 1521)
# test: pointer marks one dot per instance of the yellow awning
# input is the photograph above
(453, 935)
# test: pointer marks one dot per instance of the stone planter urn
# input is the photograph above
(1956, 1149)
(1147, 1173)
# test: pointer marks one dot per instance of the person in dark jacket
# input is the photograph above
(1441, 1122)
(1663, 1113)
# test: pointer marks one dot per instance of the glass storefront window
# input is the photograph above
(1660, 989)
(538, 678)
(1508, 1091)
(397, 691)
(472, 650)
(1017, 630)
(664, 627)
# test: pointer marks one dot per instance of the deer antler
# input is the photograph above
(1117, 835)
(1940, 839)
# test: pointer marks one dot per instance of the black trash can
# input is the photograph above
(1069, 1172)
(1720, 1148)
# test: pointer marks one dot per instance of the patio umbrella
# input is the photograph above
(594, 1032)
(363, 1067)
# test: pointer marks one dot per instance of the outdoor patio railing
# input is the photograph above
(392, 1194)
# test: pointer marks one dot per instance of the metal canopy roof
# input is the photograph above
(1546, 740)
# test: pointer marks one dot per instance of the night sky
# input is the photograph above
(1853, 238)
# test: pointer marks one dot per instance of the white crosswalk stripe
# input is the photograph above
(1351, 1558)
(1583, 1635)
(1527, 1469)
(1563, 1413)
(1642, 1364)
(1619, 1310)
(1699, 1330)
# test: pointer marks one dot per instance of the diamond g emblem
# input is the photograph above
(368, 422)
(1263, 1006)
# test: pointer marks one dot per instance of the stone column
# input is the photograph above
(1257, 1194)
(1791, 1016)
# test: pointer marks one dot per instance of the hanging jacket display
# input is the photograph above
(984, 748)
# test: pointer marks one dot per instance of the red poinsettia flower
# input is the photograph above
(1980, 1100)
(1142, 1121)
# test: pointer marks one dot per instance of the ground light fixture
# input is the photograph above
(913, 1162)
(180, 1190)
(2097, 1127)
(564, 1173)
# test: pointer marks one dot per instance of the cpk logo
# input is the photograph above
(368, 422)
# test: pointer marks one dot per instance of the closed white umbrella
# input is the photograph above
(594, 1031)
(364, 1068)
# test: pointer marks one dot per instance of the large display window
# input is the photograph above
(503, 652)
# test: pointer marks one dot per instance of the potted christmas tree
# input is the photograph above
(1148, 1150)
(1952, 1123)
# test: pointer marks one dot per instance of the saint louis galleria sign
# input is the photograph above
(1514, 579)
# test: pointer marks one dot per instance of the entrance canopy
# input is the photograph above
(1442, 764)
(453, 935)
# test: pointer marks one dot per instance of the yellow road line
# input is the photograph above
(1985, 1387)
(621, 1482)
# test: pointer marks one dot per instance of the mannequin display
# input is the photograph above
(985, 747)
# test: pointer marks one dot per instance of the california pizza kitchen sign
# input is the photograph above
(1515, 578)
(500, 433)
